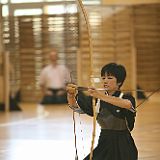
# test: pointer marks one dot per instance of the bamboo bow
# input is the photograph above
(91, 77)
(91, 73)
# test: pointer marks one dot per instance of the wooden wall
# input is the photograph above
(126, 34)
(112, 35)
(130, 2)
(29, 41)
(147, 40)
(1, 62)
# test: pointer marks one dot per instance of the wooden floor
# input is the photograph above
(46, 133)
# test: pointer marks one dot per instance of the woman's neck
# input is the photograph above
(111, 92)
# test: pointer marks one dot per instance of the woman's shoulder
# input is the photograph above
(130, 97)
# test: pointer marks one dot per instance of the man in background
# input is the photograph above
(53, 79)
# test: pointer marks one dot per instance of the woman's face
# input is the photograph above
(110, 83)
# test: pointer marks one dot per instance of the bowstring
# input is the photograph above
(91, 73)
(82, 138)
(81, 88)
(75, 136)
(74, 127)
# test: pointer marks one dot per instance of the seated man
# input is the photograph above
(53, 79)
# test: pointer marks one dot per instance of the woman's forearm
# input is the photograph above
(116, 101)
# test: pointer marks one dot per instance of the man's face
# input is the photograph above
(53, 56)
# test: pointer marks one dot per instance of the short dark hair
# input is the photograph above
(115, 70)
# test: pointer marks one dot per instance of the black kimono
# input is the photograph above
(115, 140)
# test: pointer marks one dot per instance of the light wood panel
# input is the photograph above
(30, 38)
(129, 2)
(116, 32)
(147, 40)
(1, 58)
(124, 34)
(112, 38)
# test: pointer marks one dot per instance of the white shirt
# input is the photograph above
(54, 76)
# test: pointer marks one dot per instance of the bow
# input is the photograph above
(91, 74)
(81, 88)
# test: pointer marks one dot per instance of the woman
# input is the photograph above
(116, 115)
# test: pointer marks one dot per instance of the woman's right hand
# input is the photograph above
(71, 93)
(71, 89)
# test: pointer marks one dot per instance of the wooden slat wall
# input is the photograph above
(33, 37)
(124, 34)
(116, 32)
(53, 31)
(11, 45)
(147, 38)
(27, 57)
(1, 57)
(112, 35)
